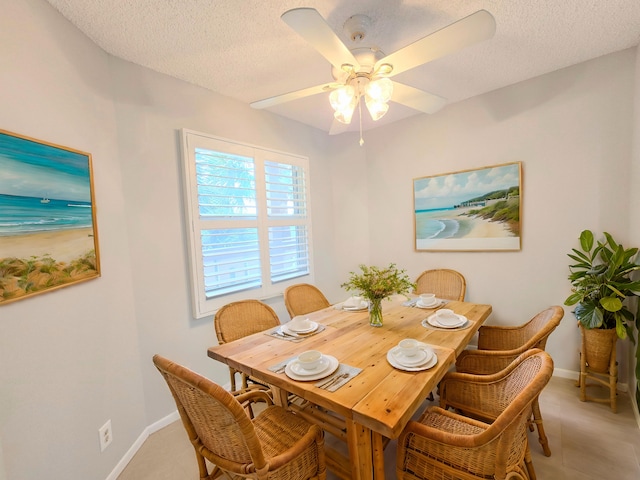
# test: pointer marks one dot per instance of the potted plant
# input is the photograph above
(375, 284)
(601, 282)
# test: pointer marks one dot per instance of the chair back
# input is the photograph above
(246, 317)
(523, 382)
(444, 444)
(303, 298)
(213, 418)
(445, 283)
(533, 334)
(508, 384)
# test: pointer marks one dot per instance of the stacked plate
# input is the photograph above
(326, 367)
(354, 306)
(293, 328)
(436, 303)
(446, 319)
(423, 360)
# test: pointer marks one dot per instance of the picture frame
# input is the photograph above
(470, 210)
(48, 227)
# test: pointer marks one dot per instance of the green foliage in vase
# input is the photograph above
(601, 280)
(377, 283)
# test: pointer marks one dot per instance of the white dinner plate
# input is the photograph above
(420, 358)
(363, 306)
(433, 321)
(312, 328)
(435, 304)
(433, 360)
(298, 369)
(291, 368)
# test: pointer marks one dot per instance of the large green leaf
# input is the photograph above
(620, 329)
(611, 304)
(589, 315)
(573, 299)
(586, 240)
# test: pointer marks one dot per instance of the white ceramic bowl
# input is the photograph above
(428, 299)
(310, 359)
(408, 347)
(299, 324)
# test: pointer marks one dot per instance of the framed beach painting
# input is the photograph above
(48, 231)
(470, 210)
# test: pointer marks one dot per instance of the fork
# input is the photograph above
(331, 382)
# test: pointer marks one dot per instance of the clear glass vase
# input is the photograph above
(375, 312)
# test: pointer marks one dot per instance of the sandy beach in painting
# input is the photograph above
(476, 227)
(463, 232)
(61, 245)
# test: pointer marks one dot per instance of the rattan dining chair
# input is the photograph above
(445, 283)
(446, 445)
(239, 319)
(276, 444)
(303, 298)
(498, 346)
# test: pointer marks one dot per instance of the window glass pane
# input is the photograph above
(285, 185)
(226, 184)
(288, 252)
(231, 260)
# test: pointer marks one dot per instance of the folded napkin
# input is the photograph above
(292, 337)
(340, 377)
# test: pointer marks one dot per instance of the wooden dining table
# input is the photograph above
(378, 402)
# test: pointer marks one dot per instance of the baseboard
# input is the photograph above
(154, 427)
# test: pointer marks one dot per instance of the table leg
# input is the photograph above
(280, 396)
(361, 452)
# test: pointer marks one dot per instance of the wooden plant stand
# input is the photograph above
(598, 364)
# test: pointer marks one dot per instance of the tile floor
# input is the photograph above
(587, 441)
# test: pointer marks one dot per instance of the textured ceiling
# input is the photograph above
(242, 49)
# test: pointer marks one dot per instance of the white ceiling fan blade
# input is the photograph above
(287, 97)
(337, 127)
(463, 33)
(417, 99)
(310, 25)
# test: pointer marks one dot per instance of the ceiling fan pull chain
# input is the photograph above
(360, 115)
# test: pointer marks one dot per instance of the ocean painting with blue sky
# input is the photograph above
(48, 235)
(469, 210)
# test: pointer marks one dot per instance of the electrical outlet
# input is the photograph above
(106, 436)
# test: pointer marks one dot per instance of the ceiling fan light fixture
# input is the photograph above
(344, 115)
(380, 90)
(343, 100)
(376, 108)
(342, 97)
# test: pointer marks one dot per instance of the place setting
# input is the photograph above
(446, 319)
(429, 301)
(297, 329)
(412, 356)
(354, 303)
(313, 365)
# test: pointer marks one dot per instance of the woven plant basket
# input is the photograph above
(598, 345)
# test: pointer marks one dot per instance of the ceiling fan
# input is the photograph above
(365, 72)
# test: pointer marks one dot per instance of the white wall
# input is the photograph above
(75, 357)
(634, 207)
(151, 110)
(572, 131)
(70, 358)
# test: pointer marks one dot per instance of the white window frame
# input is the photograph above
(203, 306)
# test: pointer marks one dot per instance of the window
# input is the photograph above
(248, 220)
